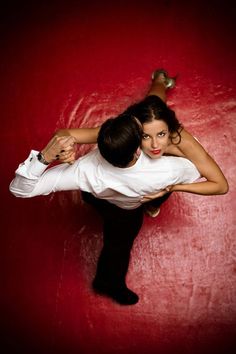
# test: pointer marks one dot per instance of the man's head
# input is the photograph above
(119, 138)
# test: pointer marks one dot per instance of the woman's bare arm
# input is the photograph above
(215, 183)
(81, 135)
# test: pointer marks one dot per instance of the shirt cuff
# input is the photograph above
(31, 167)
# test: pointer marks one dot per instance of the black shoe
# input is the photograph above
(122, 294)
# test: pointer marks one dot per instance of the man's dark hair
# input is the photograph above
(119, 138)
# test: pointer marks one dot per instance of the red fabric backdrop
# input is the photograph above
(75, 64)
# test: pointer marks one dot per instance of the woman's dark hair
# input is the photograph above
(151, 108)
(119, 138)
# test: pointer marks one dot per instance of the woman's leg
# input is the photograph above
(161, 82)
(152, 208)
(158, 87)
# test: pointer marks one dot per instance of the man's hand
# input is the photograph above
(149, 197)
(68, 156)
(60, 147)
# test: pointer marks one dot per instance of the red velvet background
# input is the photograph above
(75, 64)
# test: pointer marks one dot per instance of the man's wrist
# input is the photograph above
(42, 159)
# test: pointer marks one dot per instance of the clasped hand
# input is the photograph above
(61, 148)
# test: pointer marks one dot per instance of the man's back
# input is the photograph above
(124, 186)
(92, 173)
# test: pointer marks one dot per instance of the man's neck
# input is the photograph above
(133, 162)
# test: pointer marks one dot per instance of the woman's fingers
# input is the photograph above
(148, 197)
(58, 145)
(68, 157)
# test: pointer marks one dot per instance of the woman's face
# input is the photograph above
(155, 138)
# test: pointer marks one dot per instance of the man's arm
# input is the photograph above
(33, 179)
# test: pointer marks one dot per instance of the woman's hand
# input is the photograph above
(149, 197)
(60, 147)
(68, 156)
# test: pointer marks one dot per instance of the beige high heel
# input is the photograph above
(151, 211)
(169, 81)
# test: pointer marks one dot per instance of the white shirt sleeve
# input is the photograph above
(31, 179)
(183, 170)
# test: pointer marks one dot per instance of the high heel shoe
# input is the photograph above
(151, 210)
(168, 81)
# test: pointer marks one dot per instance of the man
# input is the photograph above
(113, 178)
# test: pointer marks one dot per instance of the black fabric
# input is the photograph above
(120, 228)
(158, 201)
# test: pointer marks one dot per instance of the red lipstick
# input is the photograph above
(155, 152)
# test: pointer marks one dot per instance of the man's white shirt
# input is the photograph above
(92, 173)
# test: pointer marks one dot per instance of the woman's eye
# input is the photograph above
(161, 134)
(145, 136)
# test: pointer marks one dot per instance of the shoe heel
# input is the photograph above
(170, 82)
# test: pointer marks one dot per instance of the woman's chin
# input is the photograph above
(153, 156)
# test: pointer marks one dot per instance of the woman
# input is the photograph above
(163, 134)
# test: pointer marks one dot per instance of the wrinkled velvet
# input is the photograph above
(76, 64)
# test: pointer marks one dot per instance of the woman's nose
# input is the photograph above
(154, 143)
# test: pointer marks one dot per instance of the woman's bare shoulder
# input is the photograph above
(185, 145)
(173, 150)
